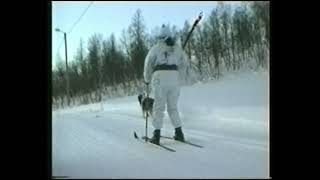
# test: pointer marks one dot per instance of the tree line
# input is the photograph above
(229, 39)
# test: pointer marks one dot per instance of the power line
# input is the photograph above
(58, 49)
(80, 17)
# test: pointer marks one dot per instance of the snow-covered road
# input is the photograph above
(229, 117)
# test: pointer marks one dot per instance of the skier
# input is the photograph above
(165, 67)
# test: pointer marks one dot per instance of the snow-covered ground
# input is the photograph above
(229, 117)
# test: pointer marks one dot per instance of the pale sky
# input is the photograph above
(112, 17)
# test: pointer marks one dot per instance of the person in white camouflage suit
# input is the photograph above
(165, 67)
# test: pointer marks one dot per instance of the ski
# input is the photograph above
(143, 138)
(186, 142)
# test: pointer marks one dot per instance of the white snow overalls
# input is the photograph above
(165, 66)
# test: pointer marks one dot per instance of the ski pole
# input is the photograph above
(147, 111)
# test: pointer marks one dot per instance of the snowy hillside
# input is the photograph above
(229, 117)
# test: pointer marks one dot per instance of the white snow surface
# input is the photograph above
(229, 117)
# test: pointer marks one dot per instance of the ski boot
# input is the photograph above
(179, 134)
(156, 137)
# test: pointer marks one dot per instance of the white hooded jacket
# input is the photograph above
(169, 55)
